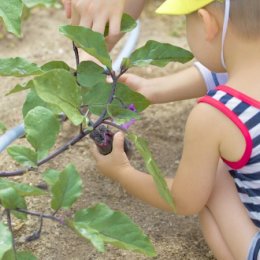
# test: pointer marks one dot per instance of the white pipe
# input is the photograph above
(11, 135)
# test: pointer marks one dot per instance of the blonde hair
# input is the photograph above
(244, 16)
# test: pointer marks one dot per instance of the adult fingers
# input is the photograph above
(67, 6)
(99, 24)
(75, 17)
(115, 25)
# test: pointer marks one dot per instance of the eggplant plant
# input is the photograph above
(81, 95)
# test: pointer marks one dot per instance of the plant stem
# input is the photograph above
(9, 221)
(76, 52)
(41, 215)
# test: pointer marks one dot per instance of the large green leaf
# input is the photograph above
(23, 155)
(156, 53)
(33, 100)
(67, 189)
(153, 169)
(128, 97)
(23, 255)
(100, 225)
(89, 74)
(22, 189)
(97, 97)
(20, 87)
(59, 87)
(9, 198)
(18, 67)
(127, 24)
(42, 128)
(33, 3)
(11, 12)
(51, 176)
(5, 240)
(91, 42)
(55, 65)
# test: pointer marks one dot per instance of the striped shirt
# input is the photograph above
(244, 111)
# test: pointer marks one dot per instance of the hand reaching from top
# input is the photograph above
(95, 14)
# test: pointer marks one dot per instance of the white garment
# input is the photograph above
(211, 79)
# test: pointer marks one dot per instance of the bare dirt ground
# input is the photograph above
(174, 237)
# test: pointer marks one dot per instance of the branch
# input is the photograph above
(41, 215)
(9, 221)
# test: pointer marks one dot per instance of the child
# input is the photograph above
(219, 172)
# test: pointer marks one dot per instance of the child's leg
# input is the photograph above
(225, 221)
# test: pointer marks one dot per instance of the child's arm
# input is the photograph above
(195, 175)
(95, 14)
(185, 84)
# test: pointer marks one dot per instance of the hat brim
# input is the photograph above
(181, 7)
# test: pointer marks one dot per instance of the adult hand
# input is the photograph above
(95, 14)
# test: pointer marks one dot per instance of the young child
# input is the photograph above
(219, 173)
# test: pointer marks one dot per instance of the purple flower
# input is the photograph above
(131, 121)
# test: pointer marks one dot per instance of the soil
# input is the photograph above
(174, 237)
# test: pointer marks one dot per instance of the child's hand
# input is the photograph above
(140, 85)
(115, 163)
(95, 14)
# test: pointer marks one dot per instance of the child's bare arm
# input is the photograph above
(185, 84)
(195, 176)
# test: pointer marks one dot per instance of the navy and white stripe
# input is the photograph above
(247, 178)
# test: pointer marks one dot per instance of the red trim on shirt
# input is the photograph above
(239, 95)
(233, 117)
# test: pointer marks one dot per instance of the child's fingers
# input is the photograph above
(130, 80)
(96, 154)
(118, 142)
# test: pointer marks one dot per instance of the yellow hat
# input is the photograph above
(181, 7)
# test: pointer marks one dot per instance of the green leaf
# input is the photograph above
(11, 12)
(128, 97)
(5, 240)
(67, 189)
(41, 128)
(18, 67)
(22, 189)
(121, 115)
(24, 255)
(91, 42)
(100, 225)
(23, 155)
(2, 128)
(59, 87)
(97, 97)
(33, 100)
(20, 87)
(89, 74)
(33, 3)
(9, 198)
(55, 65)
(51, 176)
(127, 24)
(156, 53)
(153, 169)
